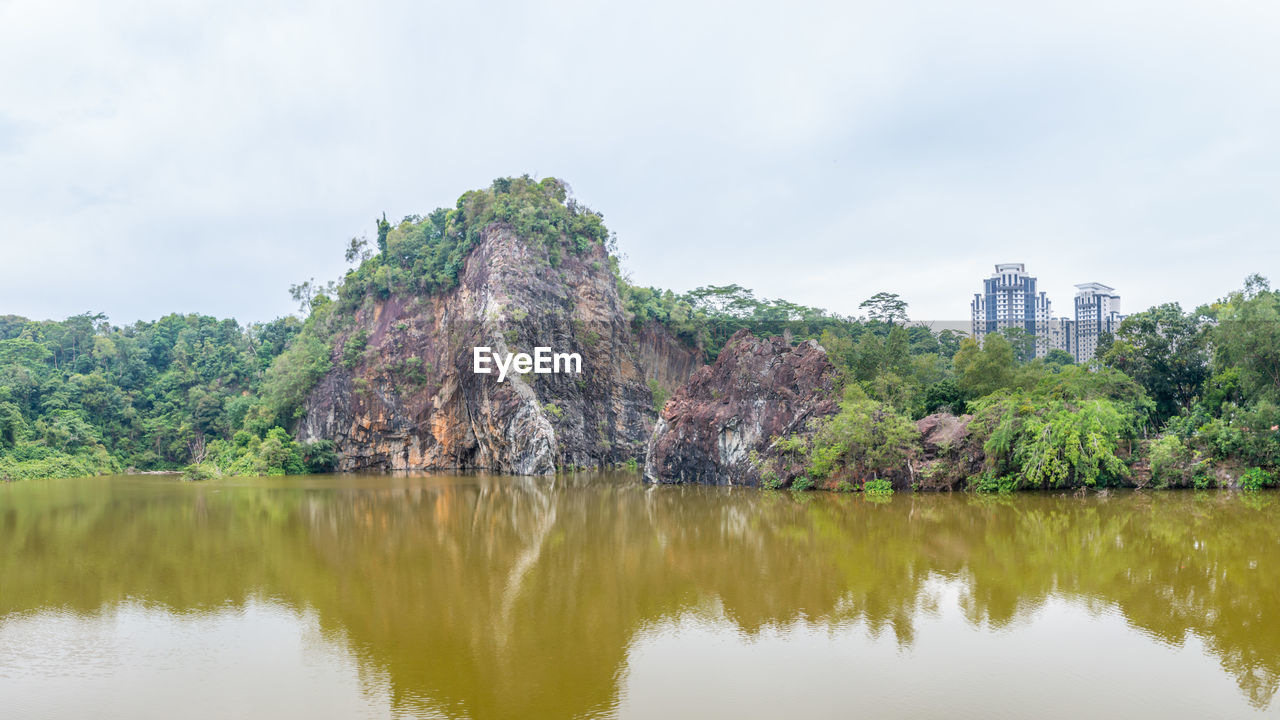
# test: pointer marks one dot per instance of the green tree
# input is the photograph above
(864, 438)
(1057, 358)
(1022, 342)
(1247, 337)
(384, 229)
(984, 371)
(1165, 350)
(885, 307)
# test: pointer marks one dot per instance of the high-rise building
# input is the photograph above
(1097, 312)
(1062, 335)
(1009, 299)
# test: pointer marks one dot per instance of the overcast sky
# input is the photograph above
(200, 157)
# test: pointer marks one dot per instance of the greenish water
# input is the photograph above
(596, 596)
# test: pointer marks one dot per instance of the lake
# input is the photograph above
(595, 596)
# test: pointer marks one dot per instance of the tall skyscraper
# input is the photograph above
(1009, 299)
(1097, 312)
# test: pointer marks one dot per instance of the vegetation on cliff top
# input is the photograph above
(425, 254)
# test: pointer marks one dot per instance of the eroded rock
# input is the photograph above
(718, 427)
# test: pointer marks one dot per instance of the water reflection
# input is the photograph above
(502, 597)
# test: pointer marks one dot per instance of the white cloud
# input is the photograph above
(202, 156)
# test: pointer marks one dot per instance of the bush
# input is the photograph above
(844, 486)
(988, 483)
(354, 348)
(1063, 433)
(769, 480)
(1171, 462)
(866, 437)
(878, 486)
(320, 456)
(1203, 477)
(197, 472)
(801, 484)
(659, 394)
(1256, 479)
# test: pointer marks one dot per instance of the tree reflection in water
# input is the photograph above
(497, 596)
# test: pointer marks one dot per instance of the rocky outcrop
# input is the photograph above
(719, 427)
(411, 401)
(949, 454)
(667, 362)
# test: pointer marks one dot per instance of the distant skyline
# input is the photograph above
(203, 157)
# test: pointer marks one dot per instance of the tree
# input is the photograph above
(876, 355)
(1048, 442)
(944, 395)
(982, 372)
(1058, 358)
(358, 251)
(1164, 349)
(384, 228)
(1022, 342)
(1247, 337)
(949, 343)
(885, 307)
(865, 437)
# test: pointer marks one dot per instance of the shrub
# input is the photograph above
(801, 484)
(865, 436)
(879, 486)
(1256, 479)
(1170, 461)
(660, 395)
(354, 348)
(320, 456)
(200, 471)
(844, 486)
(1050, 439)
(1203, 477)
(769, 480)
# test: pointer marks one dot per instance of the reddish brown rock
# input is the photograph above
(948, 455)
(411, 401)
(718, 428)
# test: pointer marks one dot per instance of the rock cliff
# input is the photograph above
(719, 426)
(410, 399)
(667, 362)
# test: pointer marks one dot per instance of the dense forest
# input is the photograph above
(1176, 398)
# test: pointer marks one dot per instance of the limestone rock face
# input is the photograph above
(411, 400)
(757, 389)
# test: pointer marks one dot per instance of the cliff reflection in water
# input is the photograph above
(490, 597)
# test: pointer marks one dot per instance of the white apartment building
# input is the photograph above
(1062, 335)
(1009, 299)
(1097, 312)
